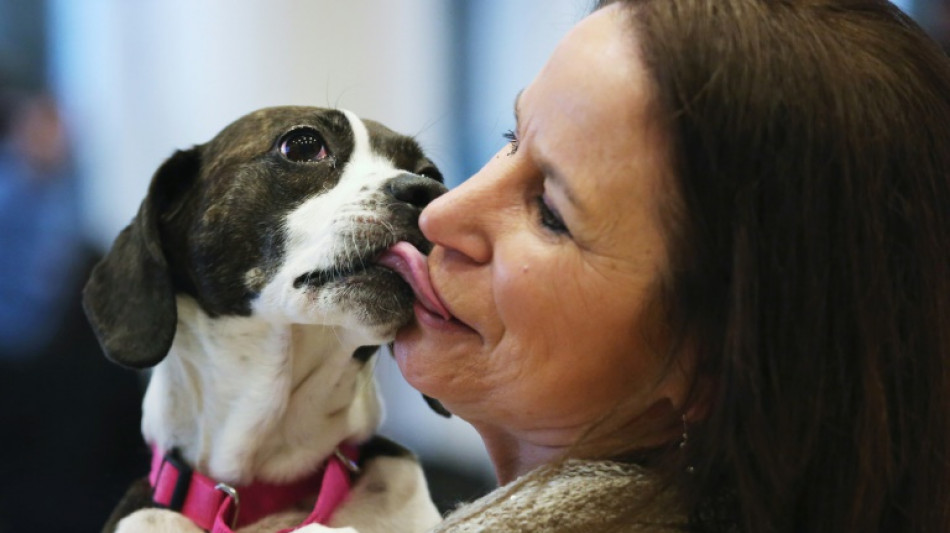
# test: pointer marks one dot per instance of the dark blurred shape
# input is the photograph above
(23, 45)
(451, 486)
(934, 16)
(71, 444)
(942, 29)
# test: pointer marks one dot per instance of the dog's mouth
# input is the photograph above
(321, 278)
(355, 265)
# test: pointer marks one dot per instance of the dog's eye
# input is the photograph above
(303, 145)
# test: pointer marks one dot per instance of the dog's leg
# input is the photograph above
(156, 521)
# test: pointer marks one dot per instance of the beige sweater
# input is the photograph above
(587, 496)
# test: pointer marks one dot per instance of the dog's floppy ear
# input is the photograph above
(129, 298)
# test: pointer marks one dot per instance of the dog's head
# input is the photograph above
(280, 216)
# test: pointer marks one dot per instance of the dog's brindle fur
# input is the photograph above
(247, 281)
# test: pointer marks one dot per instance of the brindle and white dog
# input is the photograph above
(258, 279)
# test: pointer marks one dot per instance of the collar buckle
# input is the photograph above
(233, 494)
(350, 464)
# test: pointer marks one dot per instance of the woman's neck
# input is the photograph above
(514, 456)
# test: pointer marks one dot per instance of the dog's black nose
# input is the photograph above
(414, 189)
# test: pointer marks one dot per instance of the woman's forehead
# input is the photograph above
(586, 118)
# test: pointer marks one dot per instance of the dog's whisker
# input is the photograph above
(390, 228)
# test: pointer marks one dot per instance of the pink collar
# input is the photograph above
(218, 507)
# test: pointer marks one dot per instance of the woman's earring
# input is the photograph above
(683, 442)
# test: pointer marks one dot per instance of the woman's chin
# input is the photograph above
(408, 350)
(428, 362)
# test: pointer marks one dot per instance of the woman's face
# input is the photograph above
(547, 257)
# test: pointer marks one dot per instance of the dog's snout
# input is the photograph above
(414, 189)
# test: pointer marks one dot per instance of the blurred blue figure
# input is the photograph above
(39, 225)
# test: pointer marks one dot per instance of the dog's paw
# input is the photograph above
(317, 528)
(156, 521)
(391, 495)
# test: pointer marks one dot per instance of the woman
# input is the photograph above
(707, 285)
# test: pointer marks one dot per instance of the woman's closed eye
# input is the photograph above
(549, 218)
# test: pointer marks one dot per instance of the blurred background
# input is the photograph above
(95, 94)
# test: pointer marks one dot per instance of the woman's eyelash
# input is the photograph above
(550, 218)
(512, 137)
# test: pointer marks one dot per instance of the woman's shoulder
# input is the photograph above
(573, 495)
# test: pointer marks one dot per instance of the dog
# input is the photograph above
(260, 275)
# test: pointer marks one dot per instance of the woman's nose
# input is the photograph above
(456, 219)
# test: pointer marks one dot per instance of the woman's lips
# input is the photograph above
(407, 261)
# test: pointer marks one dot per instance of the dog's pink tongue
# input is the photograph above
(409, 263)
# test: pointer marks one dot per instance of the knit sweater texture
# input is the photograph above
(576, 495)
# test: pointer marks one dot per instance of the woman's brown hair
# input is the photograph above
(810, 276)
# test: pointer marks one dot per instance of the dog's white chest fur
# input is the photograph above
(243, 397)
